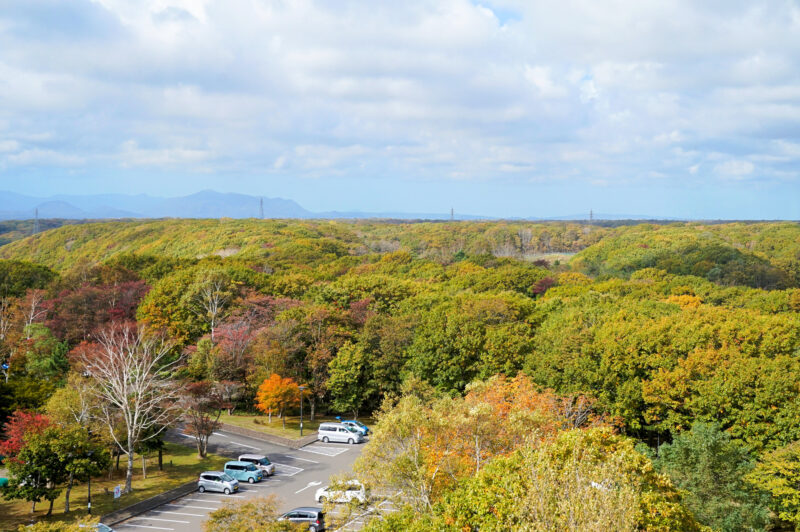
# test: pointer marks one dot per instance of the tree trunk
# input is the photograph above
(144, 467)
(66, 493)
(313, 404)
(270, 416)
(129, 472)
(119, 454)
(50, 508)
(160, 459)
(33, 507)
(201, 448)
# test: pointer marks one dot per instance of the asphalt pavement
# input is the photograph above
(298, 474)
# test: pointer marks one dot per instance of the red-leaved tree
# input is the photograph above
(20, 426)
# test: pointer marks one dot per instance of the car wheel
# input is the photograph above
(226, 491)
(323, 500)
(325, 439)
(201, 489)
(251, 480)
(351, 441)
(312, 528)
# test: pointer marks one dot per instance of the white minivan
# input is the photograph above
(338, 432)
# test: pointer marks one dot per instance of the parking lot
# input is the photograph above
(298, 474)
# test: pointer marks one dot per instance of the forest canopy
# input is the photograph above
(656, 327)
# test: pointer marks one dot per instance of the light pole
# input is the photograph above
(89, 454)
(301, 409)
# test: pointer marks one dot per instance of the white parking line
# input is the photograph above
(325, 451)
(157, 519)
(177, 513)
(304, 459)
(145, 526)
(192, 507)
(245, 445)
(218, 434)
(203, 500)
(287, 470)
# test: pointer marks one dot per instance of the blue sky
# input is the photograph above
(505, 108)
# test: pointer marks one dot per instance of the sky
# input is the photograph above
(528, 108)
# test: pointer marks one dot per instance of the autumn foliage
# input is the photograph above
(277, 393)
(19, 427)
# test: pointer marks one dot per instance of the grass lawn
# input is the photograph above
(180, 465)
(292, 430)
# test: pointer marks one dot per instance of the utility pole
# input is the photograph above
(261, 209)
(591, 217)
(452, 214)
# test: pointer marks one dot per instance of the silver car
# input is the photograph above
(260, 461)
(217, 481)
(338, 432)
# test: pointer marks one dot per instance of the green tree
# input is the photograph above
(778, 472)
(38, 471)
(203, 360)
(711, 468)
(350, 383)
(81, 455)
(46, 357)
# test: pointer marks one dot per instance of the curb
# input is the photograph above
(269, 438)
(148, 504)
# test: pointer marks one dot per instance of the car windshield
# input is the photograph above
(226, 477)
(251, 467)
(351, 429)
(264, 461)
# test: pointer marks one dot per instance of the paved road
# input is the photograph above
(298, 474)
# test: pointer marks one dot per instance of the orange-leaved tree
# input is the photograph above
(277, 393)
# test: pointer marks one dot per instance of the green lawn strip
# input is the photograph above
(292, 430)
(180, 466)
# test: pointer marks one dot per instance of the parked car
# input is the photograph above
(351, 490)
(217, 481)
(244, 471)
(260, 461)
(314, 516)
(338, 432)
(359, 426)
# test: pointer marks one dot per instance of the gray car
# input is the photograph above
(312, 516)
(217, 481)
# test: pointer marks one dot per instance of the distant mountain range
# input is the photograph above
(205, 204)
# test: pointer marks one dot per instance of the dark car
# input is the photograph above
(311, 515)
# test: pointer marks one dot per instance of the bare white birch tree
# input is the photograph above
(132, 375)
(211, 299)
(34, 311)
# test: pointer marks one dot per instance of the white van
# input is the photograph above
(338, 432)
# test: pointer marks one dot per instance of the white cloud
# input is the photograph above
(540, 77)
(430, 88)
(735, 169)
(8, 146)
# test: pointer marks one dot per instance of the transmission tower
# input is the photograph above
(261, 209)
(36, 222)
